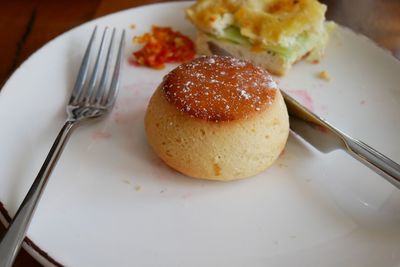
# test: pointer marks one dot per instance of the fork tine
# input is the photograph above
(98, 95)
(109, 98)
(85, 95)
(83, 70)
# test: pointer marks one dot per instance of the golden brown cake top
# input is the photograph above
(219, 88)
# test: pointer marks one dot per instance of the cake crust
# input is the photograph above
(230, 146)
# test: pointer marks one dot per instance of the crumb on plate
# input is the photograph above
(324, 75)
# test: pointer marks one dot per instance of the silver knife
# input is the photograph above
(325, 137)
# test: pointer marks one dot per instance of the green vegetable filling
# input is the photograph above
(304, 43)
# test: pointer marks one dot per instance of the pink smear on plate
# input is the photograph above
(362, 102)
(303, 97)
(101, 135)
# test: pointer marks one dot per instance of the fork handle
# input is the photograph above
(11, 241)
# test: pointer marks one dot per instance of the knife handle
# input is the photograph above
(381, 164)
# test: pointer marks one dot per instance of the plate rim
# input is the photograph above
(34, 250)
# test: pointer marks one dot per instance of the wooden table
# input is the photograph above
(26, 25)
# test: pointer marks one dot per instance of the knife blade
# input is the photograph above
(325, 137)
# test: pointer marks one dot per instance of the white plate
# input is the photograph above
(111, 202)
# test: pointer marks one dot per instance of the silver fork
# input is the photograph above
(91, 98)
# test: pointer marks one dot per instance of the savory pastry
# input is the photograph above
(273, 34)
(217, 118)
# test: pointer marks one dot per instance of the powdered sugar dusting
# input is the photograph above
(219, 88)
(271, 83)
(244, 94)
